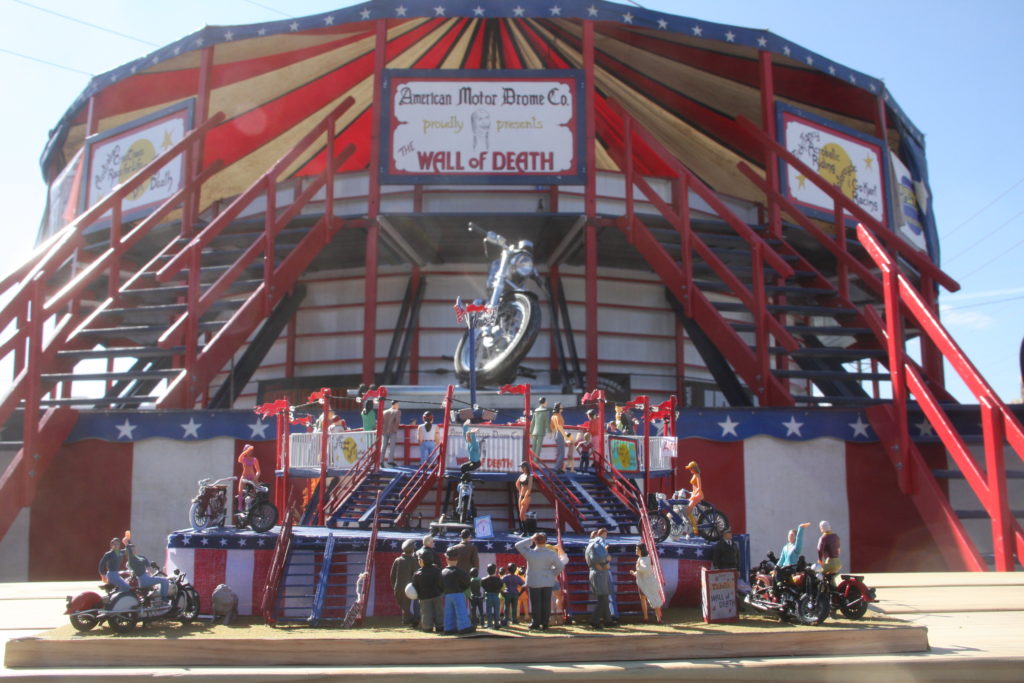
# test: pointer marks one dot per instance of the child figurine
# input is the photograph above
(465, 496)
(429, 591)
(513, 587)
(476, 598)
(583, 448)
(456, 582)
(492, 586)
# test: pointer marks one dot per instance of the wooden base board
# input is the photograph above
(396, 650)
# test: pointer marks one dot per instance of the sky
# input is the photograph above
(954, 66)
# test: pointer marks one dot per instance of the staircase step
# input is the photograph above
(112, 376)
(91, 401)
(177, 307)
(121, 352)
(831, 352)
(129, 330)
(981, 514)
(832, 374)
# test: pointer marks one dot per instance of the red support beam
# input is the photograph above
(590, 245)
(771, 166)
(995, 472)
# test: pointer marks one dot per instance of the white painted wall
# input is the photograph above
(165, 473)
(789, 482)
(14, 549)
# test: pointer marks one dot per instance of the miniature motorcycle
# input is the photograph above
(669, 518)
(257, 510)
(122, 610)
(792, 593)
(851, 596)
(210, 506)
(505, 332)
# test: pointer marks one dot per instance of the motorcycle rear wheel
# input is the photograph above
(659, 527)
(84, 622)
(262, 517)
(128, 607)
(198, 517)
(711, 525)
(518, 323)
(853, 605)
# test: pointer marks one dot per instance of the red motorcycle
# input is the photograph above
(122, 609)
(851, 596)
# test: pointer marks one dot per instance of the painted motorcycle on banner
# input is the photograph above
(506, 330)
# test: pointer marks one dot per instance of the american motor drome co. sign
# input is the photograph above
(522, 127)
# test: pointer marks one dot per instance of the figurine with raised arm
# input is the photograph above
(794, 546)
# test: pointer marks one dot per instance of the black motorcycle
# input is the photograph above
(503, 333)
(257, 510)
(796, 593)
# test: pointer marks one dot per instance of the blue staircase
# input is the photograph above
(358, 510)
(316, 585)
(581, 602)
(601, 508)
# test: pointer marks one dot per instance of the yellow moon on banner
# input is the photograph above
(138, 155)
(624, 460)
(835, 166)
(349, 450)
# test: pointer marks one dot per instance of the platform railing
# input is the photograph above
(343, 449)
(999, 425)
(501, 448)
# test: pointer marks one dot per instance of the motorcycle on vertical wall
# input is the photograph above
(505, 332)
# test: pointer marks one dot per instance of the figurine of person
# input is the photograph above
(828, 549)
(543, 566)
(696, 494)
(583, 449)
(390, 422)
(647, 582)
(599, 563)
(524, 487)
(794, 546)
(561, 436)
(369, 416)
(539, 425)
(250, 477)
(110, 565)
(513, 587)
(623, 423)
(429, 592)
(140, 565)
(472, 448)
(492, 586)
(425, 436)
(456, 582)
(402, 571)
(725, 554)
(334, 422)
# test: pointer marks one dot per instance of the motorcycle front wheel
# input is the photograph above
(501, 345)
(712, 524)
(659, 527)
(198, 517)
(812, 609)
(127, 607)
(191, 612)
(83, 622)
(262, 517)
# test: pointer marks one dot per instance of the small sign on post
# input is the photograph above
(718, 594)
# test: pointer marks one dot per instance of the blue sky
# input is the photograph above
(954, 67)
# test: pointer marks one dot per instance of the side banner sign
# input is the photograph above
(521, 127)
(852, 162)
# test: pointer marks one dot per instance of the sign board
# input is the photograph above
(718, 594)
(907, 208)
(623, 450)
(116, 155)
(851, 161)
(483, 527)
(515, 127)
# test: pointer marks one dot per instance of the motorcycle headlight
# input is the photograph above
(659, 496)
(522, 265)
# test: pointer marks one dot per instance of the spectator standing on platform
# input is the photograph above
(456, 583)
(368, 416)
(561, 436)
(543, 565)
(647, 582)
(539, 425)
(391, 420)
(492, 586)
(429, 592)
(599, 563)
(513, 584)
(402, 571)
(583, 449)
(425, 436)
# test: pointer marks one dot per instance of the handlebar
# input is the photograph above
(489, 236)
(206, 482)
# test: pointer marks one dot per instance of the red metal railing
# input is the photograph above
(349, 484)
(565, 501)
(999, 425)
(275, 573)
(365, 579)
(201, 367)
(753, 367)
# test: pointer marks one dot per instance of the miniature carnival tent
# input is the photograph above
(731, 163)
